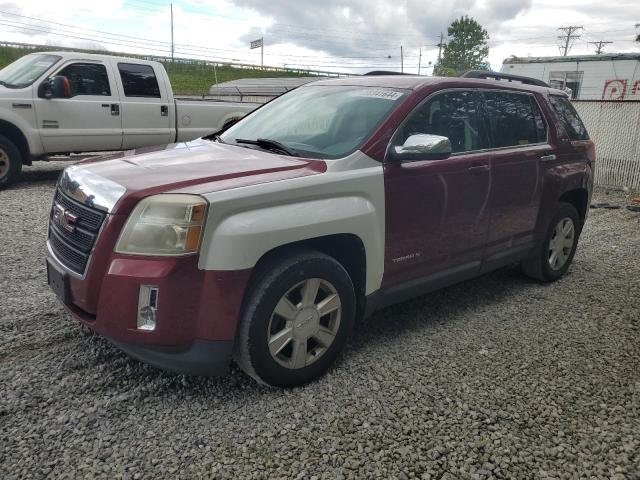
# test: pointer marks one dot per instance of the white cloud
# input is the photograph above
(332, 35)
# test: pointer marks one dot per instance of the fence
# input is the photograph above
(614, 126)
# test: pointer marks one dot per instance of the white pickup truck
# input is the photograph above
(66, 102)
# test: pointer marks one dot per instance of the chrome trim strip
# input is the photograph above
(91, 189)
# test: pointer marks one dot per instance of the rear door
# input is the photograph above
(437, 210)
(518, 139)
(89, 119)
(144, 106)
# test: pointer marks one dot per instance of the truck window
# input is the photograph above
(514, 120)
(87, 79)
(453, 115)
(139, 80)
(569, 118)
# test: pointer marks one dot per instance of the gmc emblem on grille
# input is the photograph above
(63, 218)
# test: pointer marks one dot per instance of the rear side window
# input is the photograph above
(454, 115)
(569, 118)
(139, 80)
(515, 119)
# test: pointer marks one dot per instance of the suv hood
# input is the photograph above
(115, 183)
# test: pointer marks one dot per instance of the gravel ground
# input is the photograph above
(496, 377)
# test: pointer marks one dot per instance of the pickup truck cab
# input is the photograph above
(63, 102)
(265, 242)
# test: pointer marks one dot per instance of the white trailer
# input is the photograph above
(614, 76)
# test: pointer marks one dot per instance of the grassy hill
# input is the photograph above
(186, 78)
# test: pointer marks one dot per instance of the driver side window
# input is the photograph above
(87, 79)
(454, 115)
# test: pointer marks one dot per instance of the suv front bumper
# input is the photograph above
(197, 310)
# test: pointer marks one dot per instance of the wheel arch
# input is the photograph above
(579, 198)
(346, 248)
(14, 134)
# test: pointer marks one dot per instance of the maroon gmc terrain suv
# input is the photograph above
(263, 243)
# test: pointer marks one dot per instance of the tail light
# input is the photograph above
(591, 151)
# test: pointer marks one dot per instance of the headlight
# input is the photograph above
(167, 225)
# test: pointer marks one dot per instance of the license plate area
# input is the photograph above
(58, 281)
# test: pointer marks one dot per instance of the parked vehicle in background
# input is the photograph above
(343, 196)
(65, 102)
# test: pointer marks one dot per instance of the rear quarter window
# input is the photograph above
(569, 118)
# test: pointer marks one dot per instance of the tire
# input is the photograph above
(279, 284)
(10, 162)
(543, 265)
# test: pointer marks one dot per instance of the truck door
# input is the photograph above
(145, 106)
(87, 121)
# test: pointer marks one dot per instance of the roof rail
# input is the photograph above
(486, 74)
(384, 72)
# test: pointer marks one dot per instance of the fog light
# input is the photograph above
(147, 307)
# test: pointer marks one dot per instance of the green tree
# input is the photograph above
(466, 49)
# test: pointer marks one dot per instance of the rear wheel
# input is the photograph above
(296, 320)
(10, 162)
(553, 258)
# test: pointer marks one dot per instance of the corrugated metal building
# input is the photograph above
(613, 76)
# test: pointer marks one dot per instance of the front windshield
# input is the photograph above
(322, 121)
(26, 70)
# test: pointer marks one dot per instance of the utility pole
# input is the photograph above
(440, 45)
(172, 49)
(401, 60)
(419, 60)
(569, 34)
(599, 46)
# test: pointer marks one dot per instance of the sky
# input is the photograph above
(352, 36)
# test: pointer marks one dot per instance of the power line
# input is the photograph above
(568, 37)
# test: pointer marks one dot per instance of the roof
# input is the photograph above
(575, 58)
(92, 56)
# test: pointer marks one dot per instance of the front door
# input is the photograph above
(89, 119)
(145, 107)
(437, 211)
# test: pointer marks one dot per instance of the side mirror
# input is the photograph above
(422, 146)
(55, 87)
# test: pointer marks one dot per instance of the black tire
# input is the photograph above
(539, 266)
(272, 280)
(10, 162)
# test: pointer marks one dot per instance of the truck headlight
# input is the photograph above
(167, 225)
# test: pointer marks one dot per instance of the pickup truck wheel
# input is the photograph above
(10, 162)
(552, 260)
(296, 320)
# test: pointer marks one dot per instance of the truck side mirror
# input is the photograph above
(55, 87)
(422, 146)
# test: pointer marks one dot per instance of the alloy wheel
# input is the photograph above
(304, 323)
(561, 243)
(4, 163)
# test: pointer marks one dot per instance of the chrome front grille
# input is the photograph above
(73, 230)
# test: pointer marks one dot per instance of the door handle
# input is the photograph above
(548, 158)
(105, 105)
(164, 110)
(479, 168)
(115, 109)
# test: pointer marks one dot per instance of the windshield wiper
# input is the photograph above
(269, 144)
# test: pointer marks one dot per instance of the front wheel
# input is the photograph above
(296, 320)
(10, 162)
(553, 258)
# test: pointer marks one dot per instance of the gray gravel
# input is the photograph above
(496, 377)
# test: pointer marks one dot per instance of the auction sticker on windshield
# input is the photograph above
(380, 93)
